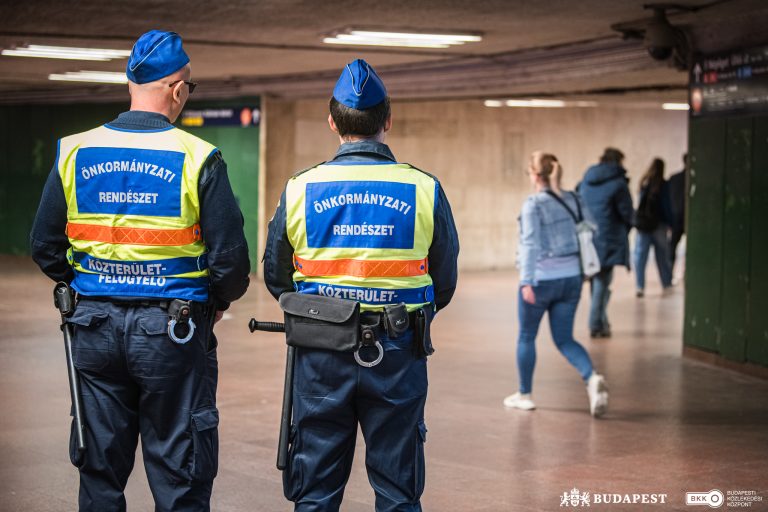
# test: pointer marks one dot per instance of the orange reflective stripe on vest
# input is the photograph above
(361, 268)
(134, 236)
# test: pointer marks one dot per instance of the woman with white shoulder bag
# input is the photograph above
(555, 253)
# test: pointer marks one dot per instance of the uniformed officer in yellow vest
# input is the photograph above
(139, 217)
(368, 228)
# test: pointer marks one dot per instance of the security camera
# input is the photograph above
(661, 37)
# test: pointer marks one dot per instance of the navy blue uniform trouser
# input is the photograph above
(136, 381)
(332, 394)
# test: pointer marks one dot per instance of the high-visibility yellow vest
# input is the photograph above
(362, 232)
(133, 212)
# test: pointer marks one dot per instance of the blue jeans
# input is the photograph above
(601, 292)
(657, 239)
(559, 297)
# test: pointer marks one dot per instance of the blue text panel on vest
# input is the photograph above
(368, 295)
(369, 214)
(129, 181)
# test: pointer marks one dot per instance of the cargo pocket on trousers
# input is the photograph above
(161, 357)
(421, 438)
(293, 479)
(205, 444)
(91, 340)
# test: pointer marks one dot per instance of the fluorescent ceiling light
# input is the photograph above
(455, 38)
(538, 103)
(675, 106)
(105, 77)
(372, 42)
(535, 103)
(65, 52)
(403, 39)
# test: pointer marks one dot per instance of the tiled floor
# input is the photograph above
(674, 425)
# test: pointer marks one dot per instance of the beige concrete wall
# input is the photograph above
(480, 154)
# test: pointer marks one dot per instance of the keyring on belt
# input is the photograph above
(369, 340)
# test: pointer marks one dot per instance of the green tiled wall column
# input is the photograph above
(726, 309)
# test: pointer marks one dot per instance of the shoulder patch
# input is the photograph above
(299, 173)
(421, 171)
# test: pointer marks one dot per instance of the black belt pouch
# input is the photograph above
(319, 322)
(423, 338)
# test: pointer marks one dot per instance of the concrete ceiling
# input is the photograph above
(242, 47)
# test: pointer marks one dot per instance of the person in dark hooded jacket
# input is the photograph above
(605, 191)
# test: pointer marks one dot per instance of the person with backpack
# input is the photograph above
(605, 191)
(652, 221)
(551, 280)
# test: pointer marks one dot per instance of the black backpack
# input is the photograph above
(647, 214)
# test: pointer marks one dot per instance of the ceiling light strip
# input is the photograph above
(90, 76)
(88, 51)
(39, 55)
(454, 38)
(64, 52)
(352, 37)
(330, 40)
(538, 103)
(355, 37)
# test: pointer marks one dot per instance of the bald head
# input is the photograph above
(160, 96)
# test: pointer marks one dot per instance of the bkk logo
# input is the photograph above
(713, 498)
(575, 498)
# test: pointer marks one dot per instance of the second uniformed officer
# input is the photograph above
(367, 228)
(140, 218)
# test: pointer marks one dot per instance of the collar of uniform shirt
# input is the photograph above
(362, 151)
(140, 120)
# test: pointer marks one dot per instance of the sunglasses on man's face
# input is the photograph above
(191, 85)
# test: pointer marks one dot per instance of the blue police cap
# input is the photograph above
(155, 55)
(359, 86)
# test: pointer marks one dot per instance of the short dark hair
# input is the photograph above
(612, 155)
(366, 123)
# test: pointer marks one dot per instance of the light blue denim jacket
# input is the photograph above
(548, 237)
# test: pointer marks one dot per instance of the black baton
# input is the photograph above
(286, 413)
(64, 300)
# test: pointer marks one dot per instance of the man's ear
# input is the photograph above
(177, 91)
(332, 125)
(388, 123)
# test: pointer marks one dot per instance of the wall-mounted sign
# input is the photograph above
(226, 116)
(734, 82)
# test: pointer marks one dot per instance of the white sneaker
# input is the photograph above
(598, 394)
(519, 401)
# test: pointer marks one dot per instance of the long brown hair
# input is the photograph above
(653, 177)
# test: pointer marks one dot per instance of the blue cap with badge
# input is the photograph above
(359, 86)
(155, 55)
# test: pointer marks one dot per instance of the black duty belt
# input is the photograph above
(179, 313)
